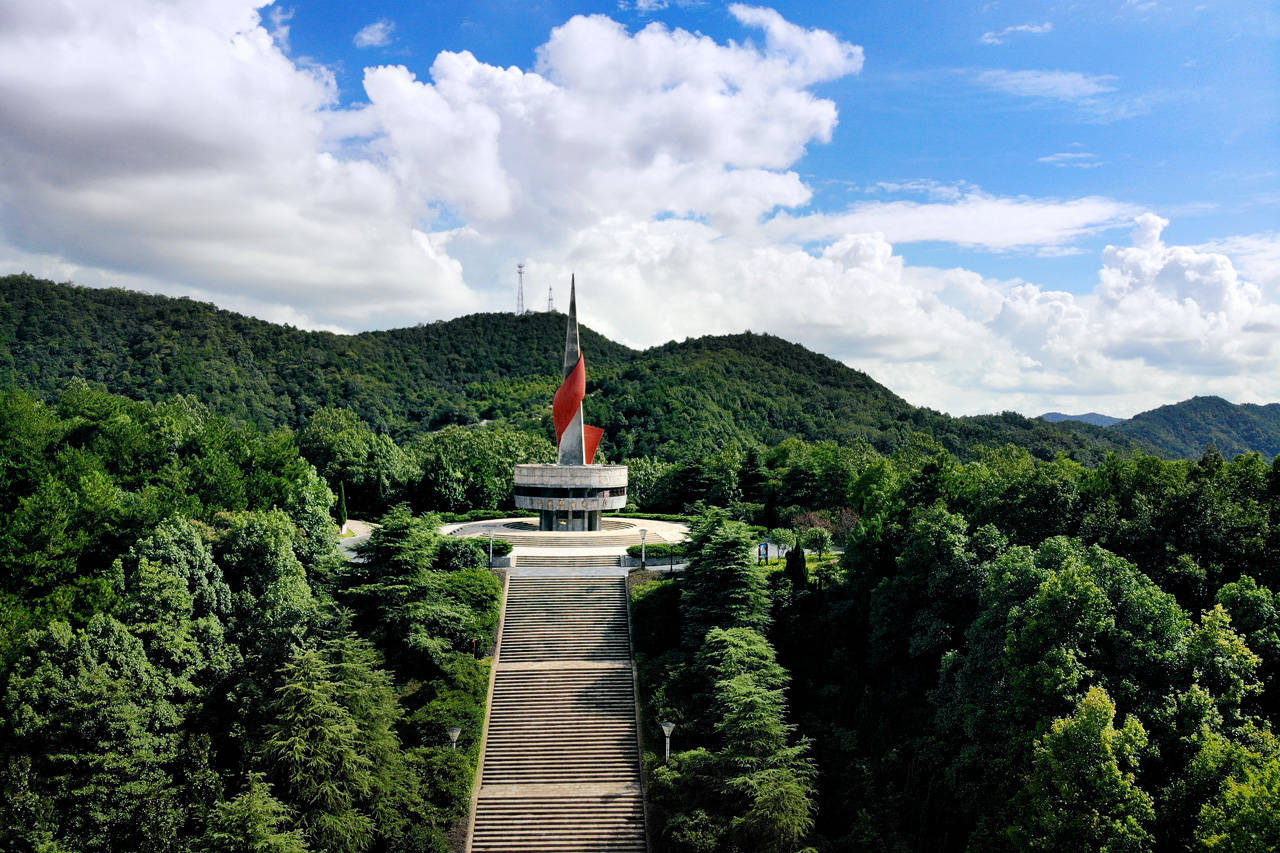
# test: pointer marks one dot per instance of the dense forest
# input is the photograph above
(1033, 637)
(676, 400)
(186, 661)
(1010, 654)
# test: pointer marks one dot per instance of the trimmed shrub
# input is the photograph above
(657, 550)
(501, 547)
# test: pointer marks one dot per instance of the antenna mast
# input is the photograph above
(551, 306)
(520, 289)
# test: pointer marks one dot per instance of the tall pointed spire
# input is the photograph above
(572, 349)
(577, 442)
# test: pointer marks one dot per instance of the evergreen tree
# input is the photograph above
(722, 587)
(90, 741)
(314, 750)
(253, 822)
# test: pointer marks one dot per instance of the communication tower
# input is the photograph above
(520, 288)
(551, 305)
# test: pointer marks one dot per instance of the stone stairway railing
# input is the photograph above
(561, 765)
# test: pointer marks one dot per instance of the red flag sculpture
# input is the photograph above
(577, 442)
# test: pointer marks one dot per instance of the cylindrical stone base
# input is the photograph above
(570, 497)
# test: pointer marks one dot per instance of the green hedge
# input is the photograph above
(656, 516)
(657, 550)
(479, 515)
(501, 547)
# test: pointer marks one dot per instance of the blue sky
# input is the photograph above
(1186, 122)
(992, 206)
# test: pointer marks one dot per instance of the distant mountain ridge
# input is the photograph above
(1187, 428)
(693, 396)
(1088, 418)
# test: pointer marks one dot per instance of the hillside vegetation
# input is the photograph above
(1185, 429)
(681, 398)
(1017, 647)
(1088, 417)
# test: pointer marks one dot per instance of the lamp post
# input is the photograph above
(643, 534)
(667, 729)
(491, 549)
(454, 731)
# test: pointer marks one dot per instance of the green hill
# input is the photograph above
(1185, 429)
(675, 399)
(1088, 417)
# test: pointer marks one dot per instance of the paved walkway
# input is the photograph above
(361, 531)
(576, 552)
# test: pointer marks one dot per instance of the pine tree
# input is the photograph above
(251, 823)
(342, 506)
(313, 749)
(722, 586)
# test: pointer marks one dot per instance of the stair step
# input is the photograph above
(562, 718)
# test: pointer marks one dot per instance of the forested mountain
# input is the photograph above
(1088, 417)
(677, 399)
(1014, 650)
(1187, 428)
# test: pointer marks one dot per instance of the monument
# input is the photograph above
(571, 494)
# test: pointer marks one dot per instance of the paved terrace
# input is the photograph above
(534, 549)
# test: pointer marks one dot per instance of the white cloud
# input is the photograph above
(1056, 85)
(656, 122)
(176, 142)
(175, 147)
(1072, 159)
(935, 190)
(1257, 256)
(1162, 322)
(973, 218)
(998, 36)
(280, 17)
(377, 34)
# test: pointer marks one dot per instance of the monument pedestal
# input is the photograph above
(570, 497)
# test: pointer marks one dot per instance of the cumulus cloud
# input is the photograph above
(175, 147)
(377, 34)
(611, 123)
(998, 36)
(177, 142)
(1055, 85)
(1257, 256)
(1162, 320)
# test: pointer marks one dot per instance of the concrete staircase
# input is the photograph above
(568, 561)
(561, 765)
